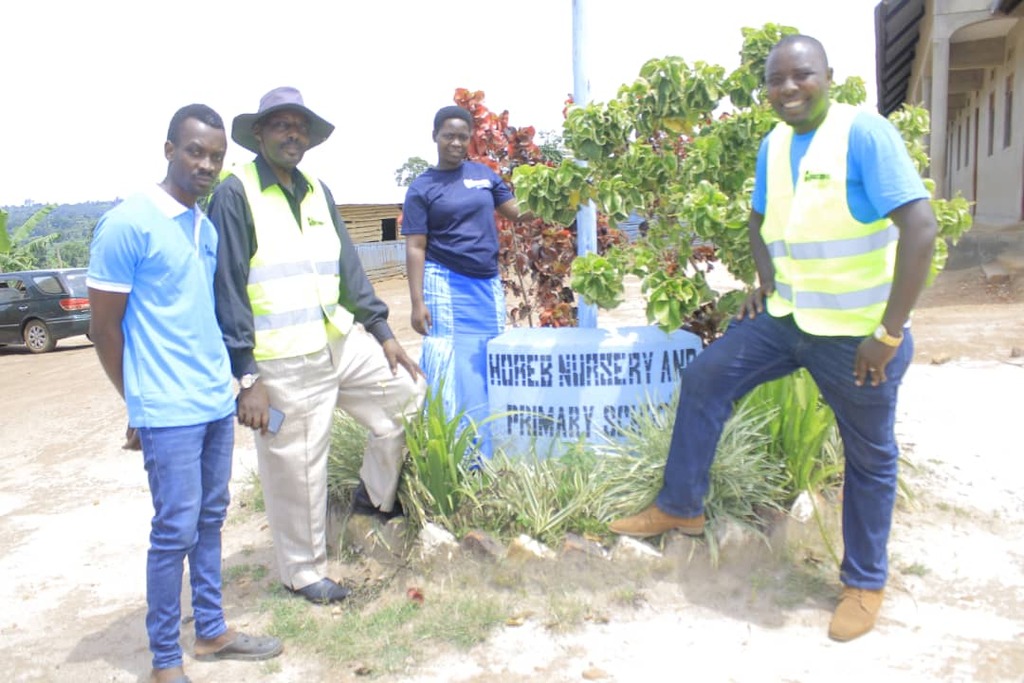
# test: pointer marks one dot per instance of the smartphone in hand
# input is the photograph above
(276, 419)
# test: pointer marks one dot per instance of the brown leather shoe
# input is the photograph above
(855, 614)
(653, 521)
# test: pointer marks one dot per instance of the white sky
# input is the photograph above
(89, 86)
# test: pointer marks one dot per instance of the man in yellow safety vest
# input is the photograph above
(305, 333)
(842, 234)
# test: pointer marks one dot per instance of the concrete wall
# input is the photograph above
(999, 195)
(955, 74)
(994, 181)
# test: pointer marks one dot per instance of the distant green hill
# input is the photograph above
(72, 221)
(72, 224)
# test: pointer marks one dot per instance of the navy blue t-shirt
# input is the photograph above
(455, 210)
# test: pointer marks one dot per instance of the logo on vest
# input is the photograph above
(471, 184)
(314, 222)
(808, 176)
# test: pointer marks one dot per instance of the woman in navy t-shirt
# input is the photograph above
(452, 263)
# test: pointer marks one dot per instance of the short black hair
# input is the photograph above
(801, 39)
(452, 112)
(199, 112)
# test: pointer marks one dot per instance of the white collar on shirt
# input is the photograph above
(172, 208)
(168, 205)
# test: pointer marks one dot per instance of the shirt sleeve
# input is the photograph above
(879, 158)
(355, 291)
(415, 212)
(236, 243)
(500, 190)
(117, 248)
(759, 198)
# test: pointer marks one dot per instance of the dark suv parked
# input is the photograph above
(38, 307)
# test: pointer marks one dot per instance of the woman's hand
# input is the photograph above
(420, 318)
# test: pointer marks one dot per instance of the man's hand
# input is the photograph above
(754, 303)
(420, 319)
(396, 356)
(132, 442)
(254, 407)
(870, 361)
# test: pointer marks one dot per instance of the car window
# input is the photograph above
(48, 284)
(76, 283)
(12, 289)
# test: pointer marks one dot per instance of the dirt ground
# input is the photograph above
(75, 516)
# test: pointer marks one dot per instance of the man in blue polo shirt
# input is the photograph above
(153, 324)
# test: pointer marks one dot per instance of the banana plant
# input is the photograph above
(19, 251)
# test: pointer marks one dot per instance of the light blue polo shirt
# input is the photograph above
(163, 256)
(880, 176)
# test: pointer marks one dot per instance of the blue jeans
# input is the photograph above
(756, 351)
(189, 469)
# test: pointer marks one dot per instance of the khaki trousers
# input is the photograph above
(351, 374)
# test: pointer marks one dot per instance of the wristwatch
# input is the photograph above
(881, 334)
(247, 380)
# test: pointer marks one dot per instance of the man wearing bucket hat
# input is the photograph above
(305, 333)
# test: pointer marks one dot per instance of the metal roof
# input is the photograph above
(897, 32)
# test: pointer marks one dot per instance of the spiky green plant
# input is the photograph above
(800, 426)
(444, 480)
(439, 449)
(541, 497)
(744, 480)
(348, 444)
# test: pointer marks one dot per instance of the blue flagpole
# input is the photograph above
(586, 216)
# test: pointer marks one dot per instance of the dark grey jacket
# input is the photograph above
(230, 213)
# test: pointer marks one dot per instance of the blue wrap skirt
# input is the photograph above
(466, 313)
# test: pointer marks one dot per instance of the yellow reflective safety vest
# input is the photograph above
(832, 272)
(294, 276)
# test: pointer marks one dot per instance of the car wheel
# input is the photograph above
(38, 338)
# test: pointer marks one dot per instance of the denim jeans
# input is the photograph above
(189, 469)
(756, 351)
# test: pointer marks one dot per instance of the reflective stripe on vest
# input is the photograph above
(293, 289)
(838, 285)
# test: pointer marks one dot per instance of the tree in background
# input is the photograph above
(52, 236)
(20, 250)
(5, 239)
(535, 256)
(69, 254)
(552, 147)
(662, 148)
(409, 171)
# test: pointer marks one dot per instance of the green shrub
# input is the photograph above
(744, 479)
(780, 440)
(800, 427)
(439, 449)
(348, 444)
(541, 497)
